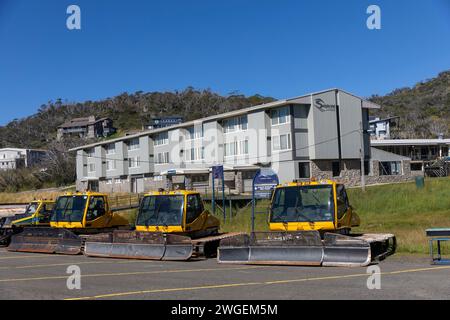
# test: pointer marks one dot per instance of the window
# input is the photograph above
(280, 116)
(195, 132)
(336, 168)
(134, 162)
(236, 148)
(342, 201)
(90, 153)
(199, 178)
(46, 213)
(111, 148)
(235, 124)
(96, 208)
(91, 167)
(108, 181)
(243, 147)
(194, 154)
(118, 181)
(390, 168)
(303, 204)
(248, 175)
(110, 165)
(194, 208)
(162, 157)
(162, 139)
(304, 171)
(133, 144)
(282, 142)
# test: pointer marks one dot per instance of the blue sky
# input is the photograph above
(277, 48)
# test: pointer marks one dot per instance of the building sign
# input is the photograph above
(264, 182)
(322, 106)
(158, 123)
(217, 172)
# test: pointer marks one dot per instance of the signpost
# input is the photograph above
(263, 184)
(218, 173)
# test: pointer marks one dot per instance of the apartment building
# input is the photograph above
(89, 127)
(315, 135)
(14, 158)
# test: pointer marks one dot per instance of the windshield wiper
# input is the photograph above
(297, 210)
(301, 214)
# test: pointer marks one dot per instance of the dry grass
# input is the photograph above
(27, 197)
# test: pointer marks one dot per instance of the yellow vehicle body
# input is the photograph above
(74, 217)
(90, 218)
(309, 224)
(40, 216)
(343, 220)
(170, 225)
(37, 214)
(202, 222)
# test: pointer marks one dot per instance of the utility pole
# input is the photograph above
(363, 169)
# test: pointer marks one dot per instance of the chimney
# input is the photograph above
(91, 119)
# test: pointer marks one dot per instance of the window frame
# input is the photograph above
(132, 145)
(278, 138)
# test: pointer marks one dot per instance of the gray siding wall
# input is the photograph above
(301, 142)
(322, 127)
(351, 118)
(81, 164)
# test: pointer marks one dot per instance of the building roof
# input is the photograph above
(377, 120)
(21, 149)
(81, 122)
(297, 100)
(409, 142)
(381, 155)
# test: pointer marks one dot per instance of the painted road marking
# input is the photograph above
(149, 263)
(248, 284)
(33, 256)
(76, 263)
(129, 274)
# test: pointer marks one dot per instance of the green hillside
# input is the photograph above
(424, 109)
(129, 112)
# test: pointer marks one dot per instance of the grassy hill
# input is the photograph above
(129, 112)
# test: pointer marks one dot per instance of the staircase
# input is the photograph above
(439, 168)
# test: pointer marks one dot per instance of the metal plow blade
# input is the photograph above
(345, 251)
(139, 245)
(382, 245)
(273, 248)
(46, 240)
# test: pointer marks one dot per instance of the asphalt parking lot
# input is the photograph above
(42, 276)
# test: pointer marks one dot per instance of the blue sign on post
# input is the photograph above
(264, 182)
(217, 172)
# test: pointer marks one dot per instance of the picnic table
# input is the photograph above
(438, 235)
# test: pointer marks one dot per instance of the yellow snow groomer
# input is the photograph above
(310, 224)
(170, 225)
(75, 217)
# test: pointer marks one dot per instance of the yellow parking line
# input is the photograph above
(33, 256)
(121, 294)
(80, 263)
(128, 274)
